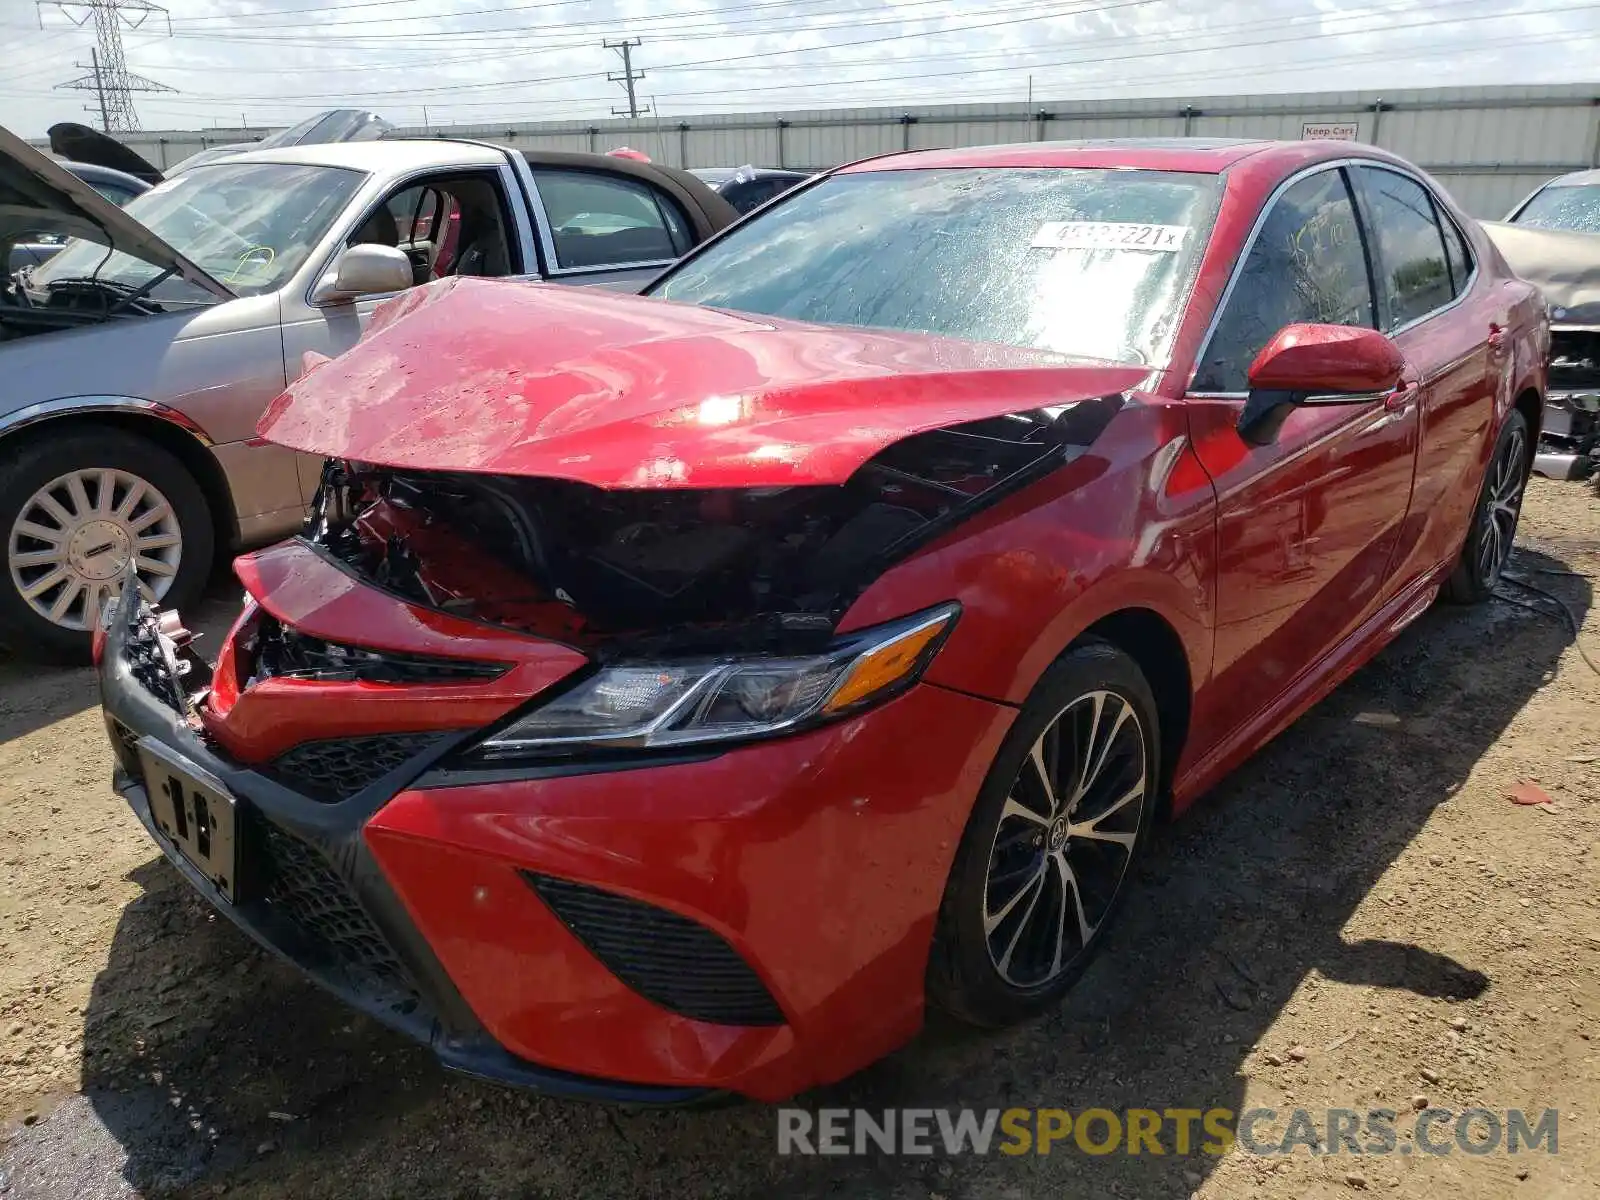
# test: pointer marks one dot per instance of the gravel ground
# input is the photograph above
(1359, 918)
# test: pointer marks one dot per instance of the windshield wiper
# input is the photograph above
(126, 293)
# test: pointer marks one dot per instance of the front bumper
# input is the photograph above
(319, 900)
(1569, 442)
(817, 862)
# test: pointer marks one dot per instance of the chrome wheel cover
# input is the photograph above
(74, 538)
(1065, 838)
(1502, 507)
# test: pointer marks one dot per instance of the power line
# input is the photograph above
(625, 47)
(1033, 14)
(494, 36)
(387, 17)
(1011, 54)
(1188, 47)
(109, 77)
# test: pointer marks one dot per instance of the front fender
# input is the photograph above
(1128, 525)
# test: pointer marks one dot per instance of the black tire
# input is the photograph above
(965, 978)
(1494, 516)
(35, 462)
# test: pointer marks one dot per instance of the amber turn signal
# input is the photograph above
(888, 664)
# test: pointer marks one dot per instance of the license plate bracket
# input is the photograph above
(195, 812)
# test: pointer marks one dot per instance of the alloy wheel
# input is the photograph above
(1067, 833)
(1502, 506)
(74, 538)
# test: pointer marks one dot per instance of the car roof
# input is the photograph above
(1589, 178)
(377, 156)
(724, 174)
(1202, 155)
(92, 173)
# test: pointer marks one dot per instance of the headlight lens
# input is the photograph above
(650, 705)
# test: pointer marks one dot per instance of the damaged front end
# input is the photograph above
(684, 571)
(1569, 442)
(708, 614)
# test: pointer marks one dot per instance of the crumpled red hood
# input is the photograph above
(624, 392)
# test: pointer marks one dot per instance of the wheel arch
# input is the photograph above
(171, 430)
(1155, 645)
(1531, 405)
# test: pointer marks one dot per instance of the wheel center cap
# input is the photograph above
(99, 550)
(1058, 834)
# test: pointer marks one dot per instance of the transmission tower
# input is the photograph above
(108, 75)
(628, 76)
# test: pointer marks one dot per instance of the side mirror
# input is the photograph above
(1317, 364)
(364, 270)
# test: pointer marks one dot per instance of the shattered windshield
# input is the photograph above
(248, 225)
(1564, 206)
(1095, 263)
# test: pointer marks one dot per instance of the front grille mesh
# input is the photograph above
(668, 959)
(339, 938)
(337, 768)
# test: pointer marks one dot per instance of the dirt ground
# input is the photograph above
(1360, 918)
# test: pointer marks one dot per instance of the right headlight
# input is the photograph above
(648, 705)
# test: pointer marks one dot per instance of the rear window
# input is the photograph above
(600, 220)
(1096, 263)
(1563, 207)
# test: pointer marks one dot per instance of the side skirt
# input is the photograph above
(1314, 684)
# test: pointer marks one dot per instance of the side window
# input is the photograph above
(1455, 252)
(1411, 252)
(117, 195)
(1308, 264)
(446, 225)
(599, 220)
(413, 211)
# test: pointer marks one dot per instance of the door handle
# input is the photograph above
(1401, 398)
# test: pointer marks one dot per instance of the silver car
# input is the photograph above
(135, 363)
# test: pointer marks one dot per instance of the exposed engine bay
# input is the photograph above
(702, 569)
(1572, 406)
(68, 304)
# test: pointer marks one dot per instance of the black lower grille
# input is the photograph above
(125, 745)
(340, 940)
(334, 769)
(668, 959)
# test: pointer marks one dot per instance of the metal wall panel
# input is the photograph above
(1488, 145)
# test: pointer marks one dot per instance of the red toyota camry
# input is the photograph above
(677, 694)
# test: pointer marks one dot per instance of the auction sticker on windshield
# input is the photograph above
(1109, 235)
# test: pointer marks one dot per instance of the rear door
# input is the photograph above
(606, 229)
(1454, 334)
(1307, 525)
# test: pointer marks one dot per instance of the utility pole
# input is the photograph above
(628, 77)
(109, 77)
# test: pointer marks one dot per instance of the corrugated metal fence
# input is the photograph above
(1490, 146)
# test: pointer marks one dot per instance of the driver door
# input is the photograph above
(1307, 525)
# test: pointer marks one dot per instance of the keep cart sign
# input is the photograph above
(1330, 131)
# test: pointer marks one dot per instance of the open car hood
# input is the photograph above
(620, 391)
(82, 144)
(39, 196)
(1564, 265)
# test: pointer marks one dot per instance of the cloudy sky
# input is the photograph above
(272, 62)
